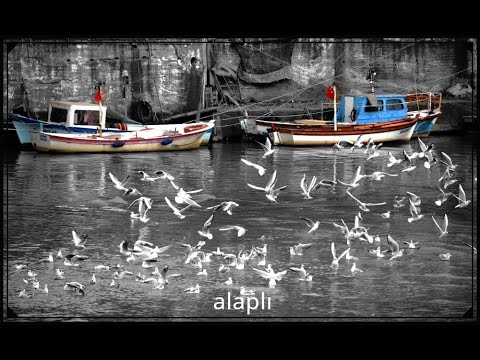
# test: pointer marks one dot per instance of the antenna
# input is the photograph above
(371, 77)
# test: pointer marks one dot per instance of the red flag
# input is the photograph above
(98, 96)
(331, 92)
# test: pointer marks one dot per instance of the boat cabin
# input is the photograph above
(76, 113)
(371, 108)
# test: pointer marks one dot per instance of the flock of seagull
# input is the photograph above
(255, 258)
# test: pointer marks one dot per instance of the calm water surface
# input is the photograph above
(48, 196)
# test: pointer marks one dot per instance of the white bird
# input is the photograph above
(298, 249)
(443, 228)
(229, 281)
(59, 254)
(273, 193)
(269, 186)
(31, 273)
(93, 280)
(470, 245)
(358, 143)
(326, 183)
(271, 275)
(393, 160)
(206, 228)
(144, 204)
(267, 147)
(76, 286)
(193, 290)
(373, 151)
(23, 293)
(462, 198)
(396, 251)
(442, 197)
(304, 276)
(307, 189)
(68, 262)
(414, 211)
(59, 272)
(338, 146)
(44, 290)
(385, 215)
(223, 268)
(408, 158)
(334, 254)
(378, 252)
(240, 230)
(411, 244)
(20, 266)
(183, 196)
(203, 272)
(350, 257)
(423, 148)
(147, 177)
(261, 170)
(362, 205)
(176, 211)
(132, 191)
(164, 175)
(49, 258)
(378, 175)
(354, 269)
(356, 178)
(226, 206)
(445, 256)
(79, 241)
(313, 225)
(448, 161)
(398, 203)
(244, 291)
(120, 185)
(414, 198)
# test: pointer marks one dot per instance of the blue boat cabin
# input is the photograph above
(371, 108)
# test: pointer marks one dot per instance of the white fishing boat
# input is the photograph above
(147, 139)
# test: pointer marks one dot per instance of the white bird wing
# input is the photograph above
(256, 187)
(391, 158)
(447, 158)
(280, 275)
(271, 181)
(208, 223)
(354, 198)
(76, 239)
(265, 148)
(189, 201)
(309, 222)
(169, 203)
(445, 223)
(263, 273)
(413, 208)
(374, 204)
(343, 253)
(216, 207)
(226, 228)
(312, 184)
(175, 186)
(303, 185)
(357, 176)
(342, 228)
(332, 248)
(392, 243)
(435, 221)
(423, 147)
(268, 144)
(461, 193)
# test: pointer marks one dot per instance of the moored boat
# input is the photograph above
(144, 140)
(66, 117)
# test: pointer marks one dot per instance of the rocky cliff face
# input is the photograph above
(166, 77)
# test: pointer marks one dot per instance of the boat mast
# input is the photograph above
(371, 77)
(334, 107)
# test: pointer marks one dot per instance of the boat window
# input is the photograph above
(86, 117)
(394, 104)
(58, 115)
(374, 108)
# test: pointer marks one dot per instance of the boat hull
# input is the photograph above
(114, 143)
(24, 126)
(317, 135)
(423, 129)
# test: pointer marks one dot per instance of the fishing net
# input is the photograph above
(265, 62)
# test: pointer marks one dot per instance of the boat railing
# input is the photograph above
(424, 101)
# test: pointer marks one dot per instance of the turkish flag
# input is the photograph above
(98, 96)
(331, 92)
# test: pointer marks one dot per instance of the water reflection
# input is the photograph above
(49, 196)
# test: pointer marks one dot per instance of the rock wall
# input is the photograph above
(166, 76)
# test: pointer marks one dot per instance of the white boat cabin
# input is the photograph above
(77, 113)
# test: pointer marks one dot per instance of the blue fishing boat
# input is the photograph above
(354, 112)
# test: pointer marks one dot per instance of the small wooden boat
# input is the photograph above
(149, 139)
(67, 117)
